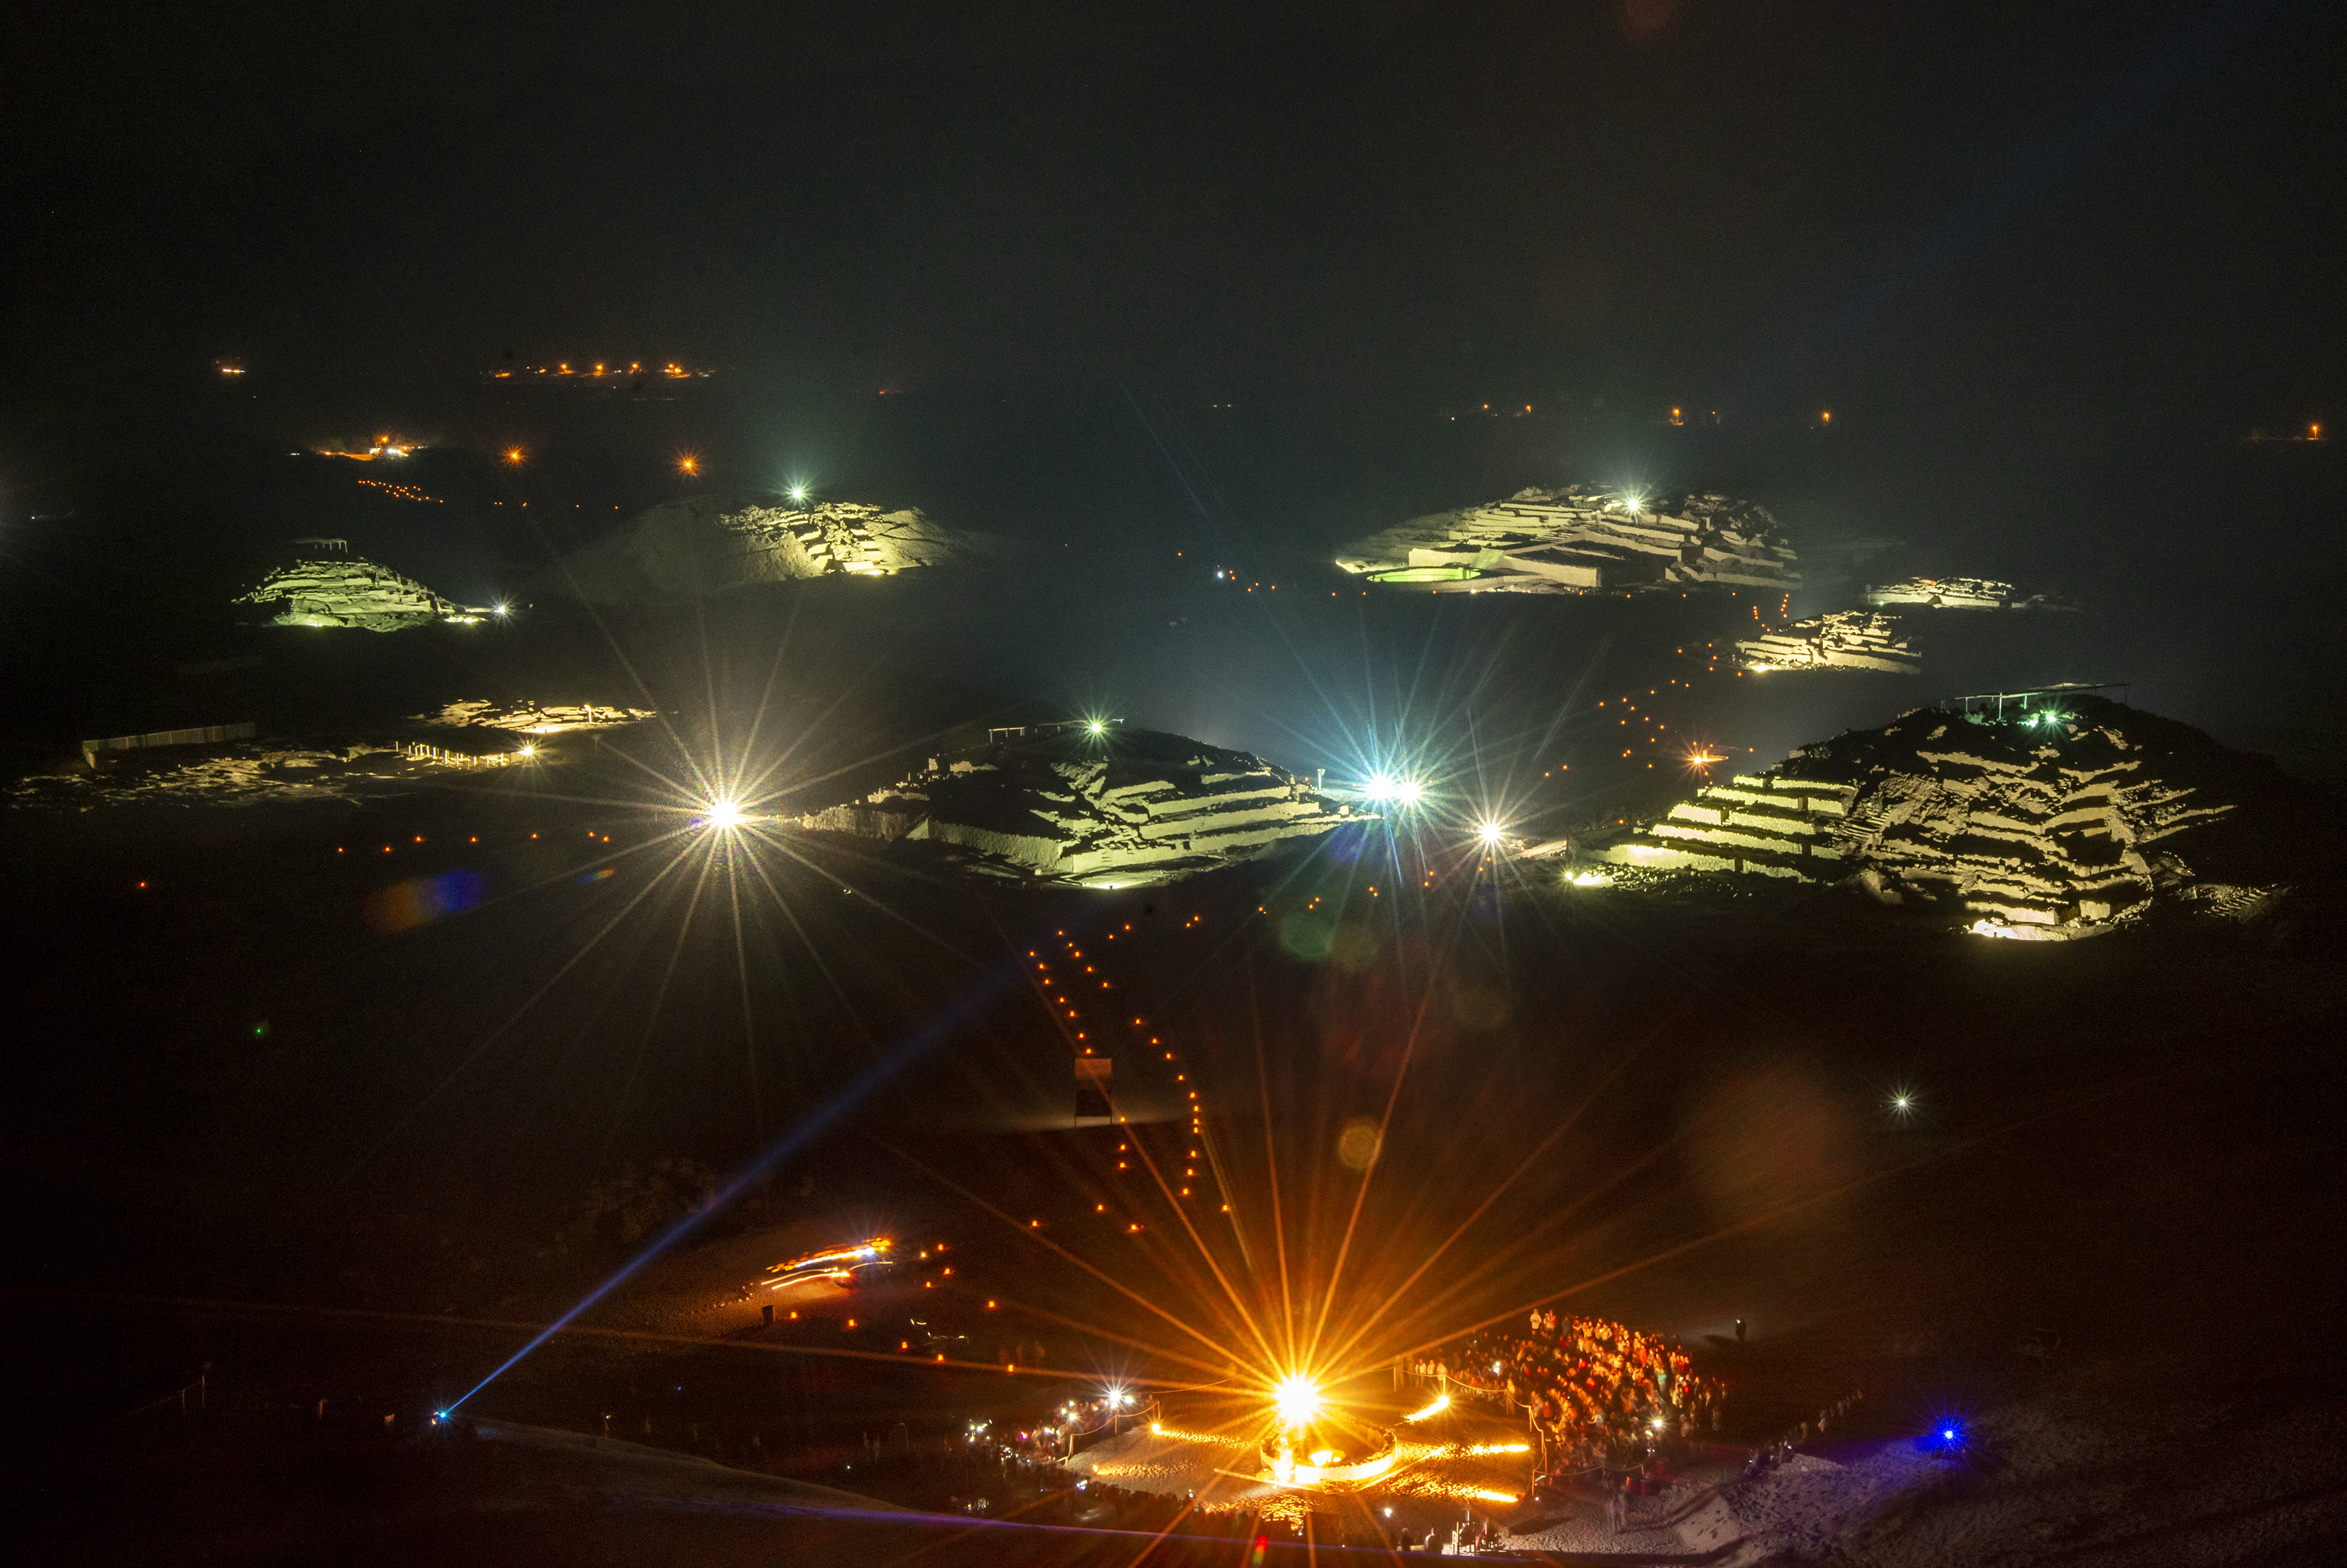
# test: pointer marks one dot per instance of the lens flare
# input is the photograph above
(1297, 1398)
(723, 816)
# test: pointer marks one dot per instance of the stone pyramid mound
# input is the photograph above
(347, 590)
(1119, 807)
(711, 543)
(1575, 541)
(2054, 824)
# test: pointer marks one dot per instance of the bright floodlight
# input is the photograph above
(1096, 727)
(504, 610)
(798, 492)
(724, 813)
(1490, 832)
(1407, 792)
(1298, 1400)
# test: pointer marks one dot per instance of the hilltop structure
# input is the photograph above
(2051, 823)
(1098, 806)
(347, 590)
(1957, 594)
(1575, 540)
(1838, 639)
(711, 543)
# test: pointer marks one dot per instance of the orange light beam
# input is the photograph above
(1065, 1255)
(1539, 1150)
(1205, 1253)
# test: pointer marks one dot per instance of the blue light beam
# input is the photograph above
(993, 983)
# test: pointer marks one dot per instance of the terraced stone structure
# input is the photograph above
(711, 543)
(1120, 809)
(349, 591)
(1959, 593)
(2052, 826)
(1838, 639)
(1577, 540)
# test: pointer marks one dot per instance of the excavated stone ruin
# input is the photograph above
(531, 718)
(1838, 639)
(1958, 593)
(1057, 804)
(1575, 540)
(346, 590)
(2052, 825)
(709, 543)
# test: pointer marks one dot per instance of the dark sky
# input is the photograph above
(1764, 206)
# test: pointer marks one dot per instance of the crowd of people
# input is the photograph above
(1593, 1391)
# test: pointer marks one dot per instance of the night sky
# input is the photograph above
(1922, 214)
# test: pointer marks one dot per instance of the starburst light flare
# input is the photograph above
(1298, 1400)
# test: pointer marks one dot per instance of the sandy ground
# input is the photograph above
(634, 1472)
(2089, 1472)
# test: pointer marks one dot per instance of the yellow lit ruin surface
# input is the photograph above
(1839, 640)
(349, 591)
(710, 543)
(1577, 540)
(1958, 593)
(2048, 826)
(1120, 809)
(534, 718)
